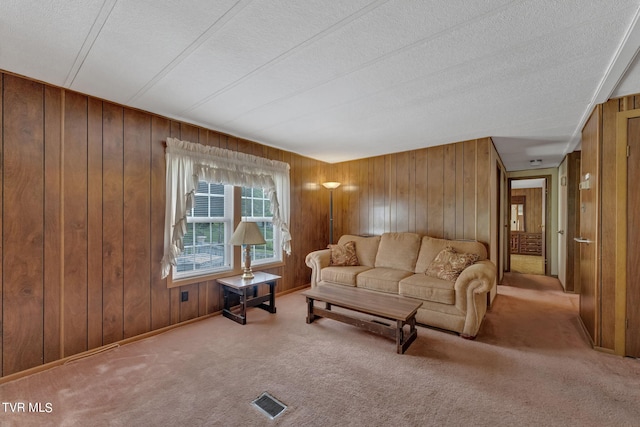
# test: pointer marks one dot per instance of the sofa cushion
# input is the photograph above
(342, 275)
(431, 247)
(366, 247)
(381, 279)
(428, 288)
(448, 264)
(398, 251)
(344, 254)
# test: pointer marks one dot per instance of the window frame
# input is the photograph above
(275, 241)
(235, 251)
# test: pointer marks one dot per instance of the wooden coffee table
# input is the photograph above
(399, 310)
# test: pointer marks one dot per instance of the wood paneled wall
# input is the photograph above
(442, 191)
(604, 307)
(83, 185)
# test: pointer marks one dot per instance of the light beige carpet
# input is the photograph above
(527, 264)
(530, 365)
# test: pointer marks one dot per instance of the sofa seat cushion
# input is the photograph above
(343, 275)
(382, 279)
(421, 286)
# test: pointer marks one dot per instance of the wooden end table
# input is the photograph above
(247, 290)
(400, 311)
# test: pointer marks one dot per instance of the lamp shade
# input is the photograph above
(247, 233)
(331, 185)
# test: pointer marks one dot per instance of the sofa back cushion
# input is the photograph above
(431, 247)
(398, 250)
(366, 247)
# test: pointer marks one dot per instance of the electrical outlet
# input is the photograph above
(184, 296)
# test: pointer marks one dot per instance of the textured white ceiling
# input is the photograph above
(342, 79)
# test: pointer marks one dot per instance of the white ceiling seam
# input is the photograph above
(288, 53)
(440, 72)
(92, 35)
(206, 35)
(381, 58)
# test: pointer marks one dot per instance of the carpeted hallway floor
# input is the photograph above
(531, 364)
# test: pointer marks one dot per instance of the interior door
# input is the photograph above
(632, 334)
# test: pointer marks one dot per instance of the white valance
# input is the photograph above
(188, 163)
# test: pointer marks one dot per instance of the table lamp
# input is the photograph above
(247, 234)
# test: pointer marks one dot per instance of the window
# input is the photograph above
(209, 228)
(256, 207)
(193, 255)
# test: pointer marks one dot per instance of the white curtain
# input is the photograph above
(188, 163)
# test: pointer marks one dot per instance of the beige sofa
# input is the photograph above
(397, 263)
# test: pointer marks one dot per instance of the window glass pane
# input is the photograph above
(258, 208)
(203, 187)
(246, 207)
(217, 206)
(201, 206)
(208, 229)
(217, 189)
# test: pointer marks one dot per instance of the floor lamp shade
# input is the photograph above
(247, 234)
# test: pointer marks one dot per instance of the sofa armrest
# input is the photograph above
(317, 260)
(477, 278)
(470, 288)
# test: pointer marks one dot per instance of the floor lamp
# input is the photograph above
(332, 185)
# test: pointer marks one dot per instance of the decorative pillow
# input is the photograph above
(343, 255)
(448, 264)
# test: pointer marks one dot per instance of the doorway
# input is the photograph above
(528, 218)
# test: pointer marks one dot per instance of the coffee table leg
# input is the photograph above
(310, 316)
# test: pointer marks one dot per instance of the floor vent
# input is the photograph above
(269, 405)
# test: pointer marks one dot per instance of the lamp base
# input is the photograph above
(247, 274)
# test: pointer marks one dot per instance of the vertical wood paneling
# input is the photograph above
(94, 223)
(460, 186)
(113, 229)
(75, 223)
(89, 172)
(160, 295)
(411, 201)
(363, 201)
(435, 192)
(484, 175)
(22, 240)
(378, 193)
(421, 191)
(608, 211)
(589, 294)
(391, 193)
(137, 220)
(470, 190)
(353, 197)
(52, 222)
(401, 219)
(449, 191)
